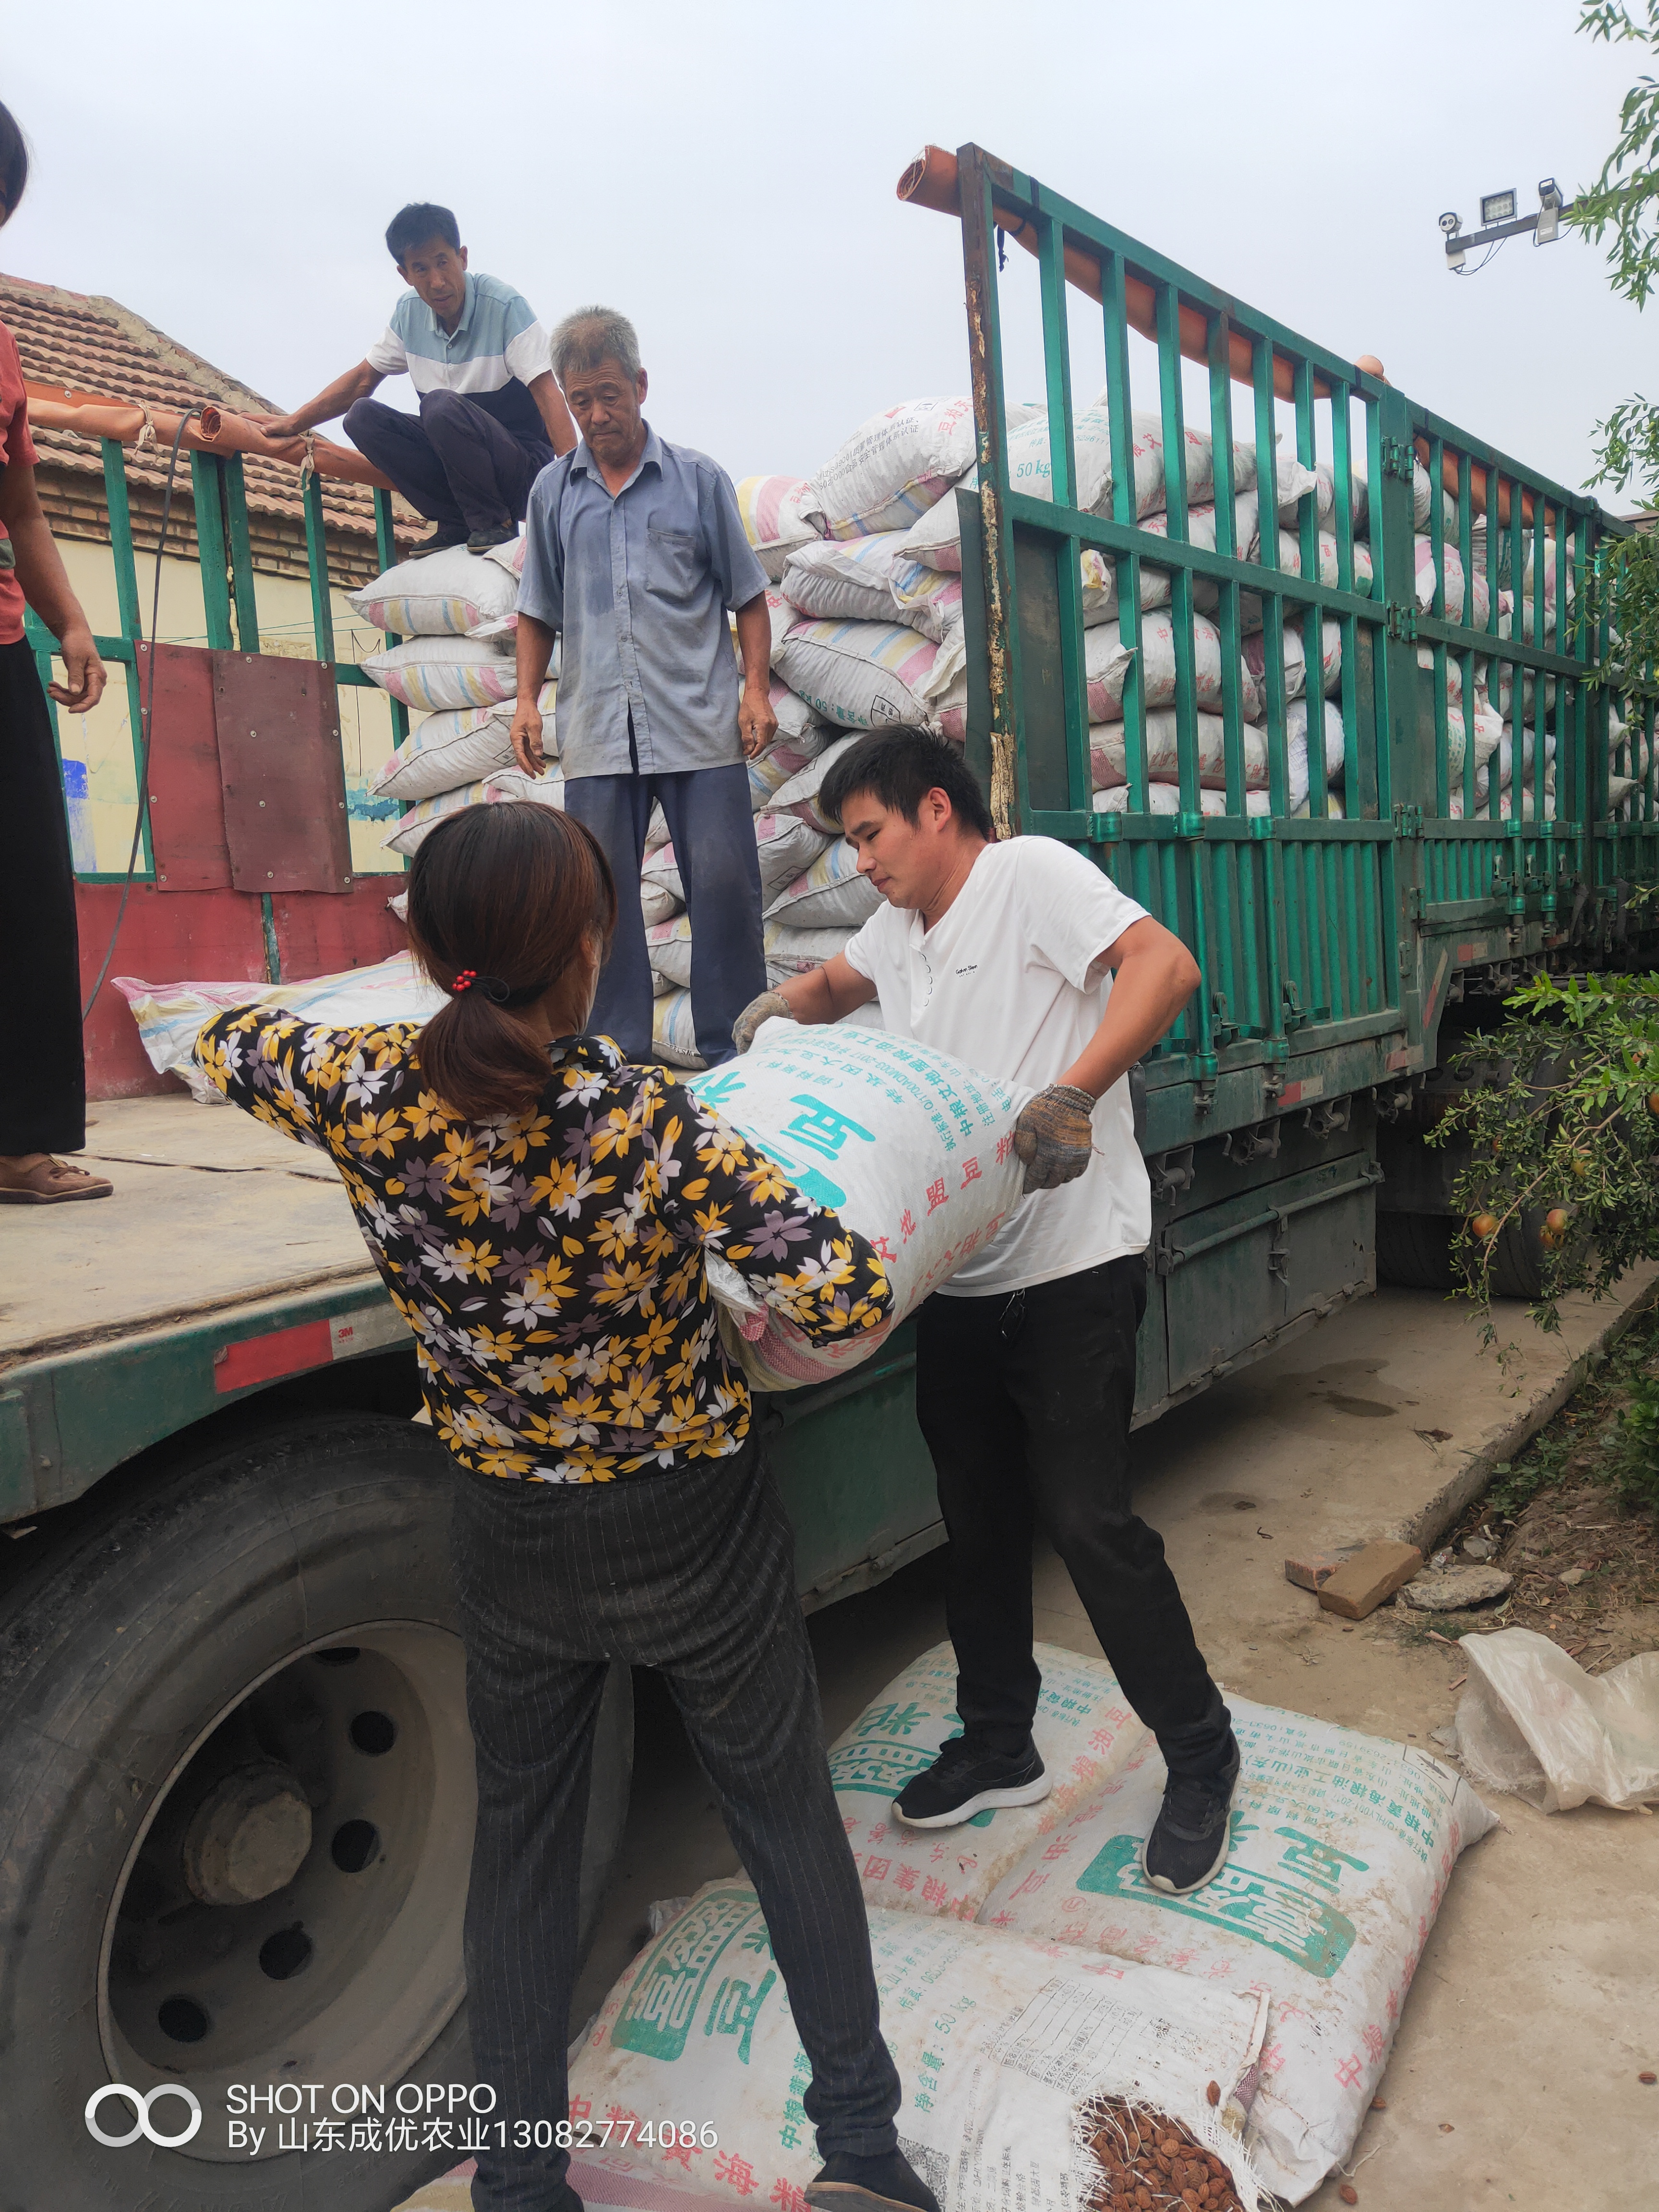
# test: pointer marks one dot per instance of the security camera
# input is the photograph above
(1549, 192)
(1451, 224)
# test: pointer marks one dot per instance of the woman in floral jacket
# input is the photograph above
(541, 1212)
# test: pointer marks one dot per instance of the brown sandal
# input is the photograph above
(49, 1182)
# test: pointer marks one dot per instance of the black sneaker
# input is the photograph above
(439, 542)
(484, 541)
(887, 2183)
(1192, 1834)
(962, 1782)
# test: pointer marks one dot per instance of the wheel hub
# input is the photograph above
(249, 1835)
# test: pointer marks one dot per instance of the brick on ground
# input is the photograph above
(1360, 1584)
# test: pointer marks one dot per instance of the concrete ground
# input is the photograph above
(1513, 2079)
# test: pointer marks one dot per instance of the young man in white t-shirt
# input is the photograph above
(1023, 959)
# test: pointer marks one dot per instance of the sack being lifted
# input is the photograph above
(908, 1146)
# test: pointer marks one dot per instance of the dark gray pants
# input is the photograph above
(460, 467)
(691, 1572)
(713, 828)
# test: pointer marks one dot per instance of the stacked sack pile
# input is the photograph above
(453, 613)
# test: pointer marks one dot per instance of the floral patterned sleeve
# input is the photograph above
(717, 1190)
(317, 1085)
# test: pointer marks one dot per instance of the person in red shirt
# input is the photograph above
(43, 1080)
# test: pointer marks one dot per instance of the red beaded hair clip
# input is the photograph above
(465, 979)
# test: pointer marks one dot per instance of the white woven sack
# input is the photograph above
(668, 948)
(1165, 798)
(1107, 661)
(860, 675)
(457, 746)
(830, 895)
(850, 579)
(924, 598)
(906, 1145)
(674, 1031)
(798, 951)
(441, 594)
(424, 817)
(434, 673)
(797, 723)
(781, 617)
(999, 2045)
(658, 903)
(779, 513)
(894, 466)
(799, 796)
(783, 842)
(1342, 1847)
(1083, 1729)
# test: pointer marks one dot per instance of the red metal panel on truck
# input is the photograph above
(316, 936)
(186, 811)
(210, 936)
(284, 779)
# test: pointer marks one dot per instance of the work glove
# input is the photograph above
(757, 1011)
(1055, 1136)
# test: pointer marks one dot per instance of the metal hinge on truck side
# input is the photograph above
(1402, 621)
(1398, 458)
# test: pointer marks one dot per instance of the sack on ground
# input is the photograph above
(906, 1145)
(1084, 1729)
(859, 675)
(830, 895)
(1342, 1848)
(894, 466)
(441, 594)
(779, 513)
(434, 673)
(999, 2045)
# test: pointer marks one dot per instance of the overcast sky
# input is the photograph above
(725, 173)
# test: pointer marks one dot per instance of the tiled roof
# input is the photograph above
(89, 344)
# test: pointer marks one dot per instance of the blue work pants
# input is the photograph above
(712, 829)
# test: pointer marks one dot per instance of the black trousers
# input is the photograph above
(43, 1072)
(457, 464)
(692, 1572)
(1025, 1400)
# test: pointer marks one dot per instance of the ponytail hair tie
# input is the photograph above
(496, 991)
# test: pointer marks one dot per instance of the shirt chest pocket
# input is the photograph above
(676, 563)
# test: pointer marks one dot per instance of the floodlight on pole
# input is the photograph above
(1499, 221)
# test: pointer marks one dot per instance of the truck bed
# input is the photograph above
(211, 1210)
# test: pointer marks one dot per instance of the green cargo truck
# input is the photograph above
(235, 1777)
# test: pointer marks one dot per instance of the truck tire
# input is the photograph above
(1413, 1251)
(236, 1802)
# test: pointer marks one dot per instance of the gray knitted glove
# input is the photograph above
(1055, 1136)
(757, 1011)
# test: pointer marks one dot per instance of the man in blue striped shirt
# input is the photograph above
(492, 416)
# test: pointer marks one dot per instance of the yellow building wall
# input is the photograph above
(102, 743)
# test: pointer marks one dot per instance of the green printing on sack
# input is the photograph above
(1279, 1910)
(881, 1770)
(669, 1987)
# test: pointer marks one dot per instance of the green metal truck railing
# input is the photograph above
(1311, 930)
(229, 605)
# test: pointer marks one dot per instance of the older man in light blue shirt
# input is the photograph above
(634, 552)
